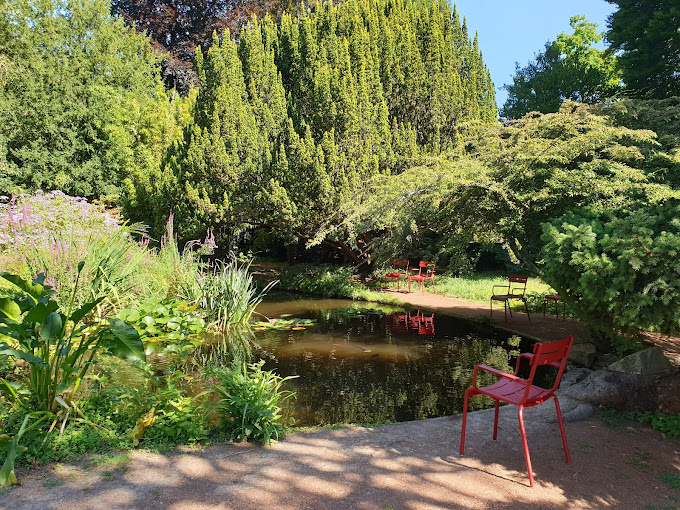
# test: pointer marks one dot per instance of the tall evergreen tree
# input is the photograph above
(77, 86)
(647, 35)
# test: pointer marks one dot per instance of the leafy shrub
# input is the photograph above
(326, 281)
(248, 401)
(163, 410)
(167, 318)
(58, 346)
(666, 423)
(620, 267)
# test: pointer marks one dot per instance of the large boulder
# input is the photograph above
(583, 355)
(629, 392)
(648, 361)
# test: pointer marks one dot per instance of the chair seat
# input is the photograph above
(505, 297)
(553, 297)
(513, 392)
(395, 275)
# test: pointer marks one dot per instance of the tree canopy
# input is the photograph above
(293, 118)
(79, 98)
(570, 68)
(177, 28)
(646, 33)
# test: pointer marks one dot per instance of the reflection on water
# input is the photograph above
(374, 366)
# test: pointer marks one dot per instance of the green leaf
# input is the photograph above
(40, 312)
(33, 289)
(52, 326)
(9, 308)
(124, 341)
(81, 312)
(26, 356)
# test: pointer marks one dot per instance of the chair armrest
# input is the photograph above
(506, 287)
(493, 371)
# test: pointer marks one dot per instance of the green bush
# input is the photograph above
(326, 281)
(248, 401)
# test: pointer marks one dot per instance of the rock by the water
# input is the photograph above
(648, 361)
(583, 354)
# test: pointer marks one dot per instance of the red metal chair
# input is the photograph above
(515, 289)
(397, 273)
(555, 298)
(425, 272)
(522, 392)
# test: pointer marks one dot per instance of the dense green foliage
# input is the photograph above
(645, 32)
(248, 402)
(619, 266)
(569, 68)
(295, 117)
(81, 102)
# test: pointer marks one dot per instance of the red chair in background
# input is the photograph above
(397, 273)
(425, 272)
(514, 390)
(515, 289)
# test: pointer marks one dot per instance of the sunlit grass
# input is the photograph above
(477, 287)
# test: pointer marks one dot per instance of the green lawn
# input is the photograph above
(477, 287)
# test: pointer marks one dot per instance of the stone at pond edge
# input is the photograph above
(583, 354)
(649, 361)
(629, 392)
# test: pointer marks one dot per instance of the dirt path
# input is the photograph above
(414, 465)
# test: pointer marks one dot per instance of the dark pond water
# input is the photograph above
(365, 363)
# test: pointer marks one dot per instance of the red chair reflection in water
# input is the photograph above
(397, 272)
(522, 392)
(426, 325)
(425, 272)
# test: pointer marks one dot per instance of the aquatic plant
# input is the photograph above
(229, 295)
(248, 401)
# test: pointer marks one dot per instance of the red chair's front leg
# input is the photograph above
(564, 436)
(525, 444)
(465, 409)
(495, 421)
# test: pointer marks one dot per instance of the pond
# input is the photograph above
(370, 363)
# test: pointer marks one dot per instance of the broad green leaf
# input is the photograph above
(52, 326)
(124, 340)
(26, 356)
(40, 312)
(9, 308)
(33, 289)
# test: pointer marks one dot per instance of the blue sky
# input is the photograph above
(514, 31)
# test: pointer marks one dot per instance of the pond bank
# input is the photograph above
(413, 465)
(539, 328)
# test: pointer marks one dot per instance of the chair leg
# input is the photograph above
(564, 436)
(434, 289)
(465, 409)
(525, 444)
(495, 421)
(526, 307)
(545, 303)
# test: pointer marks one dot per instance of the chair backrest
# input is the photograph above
(517, 284)
(554, 354)
(426, 268)
(400, 263)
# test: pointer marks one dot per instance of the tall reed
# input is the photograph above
(229, 295)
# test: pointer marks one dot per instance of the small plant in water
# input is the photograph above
(229, 295)
(248, 400)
